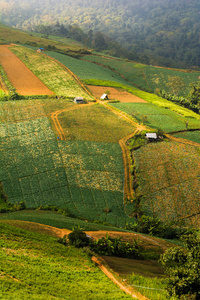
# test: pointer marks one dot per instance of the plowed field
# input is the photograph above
(122, 96)
(22, 79)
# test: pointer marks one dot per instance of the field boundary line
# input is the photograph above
(128, 190)
(183, 141)
(72, 74)
(54, 117)
(127, 289)
(124, 115)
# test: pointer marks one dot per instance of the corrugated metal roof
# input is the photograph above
(151, 135)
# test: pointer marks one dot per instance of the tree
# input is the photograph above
(195, 94)
(183, 268)
(176, 83)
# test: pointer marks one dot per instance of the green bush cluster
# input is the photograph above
(105, 245)
(156, 227)
(183, 268)
(188, 102)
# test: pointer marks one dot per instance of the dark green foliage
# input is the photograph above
(156, 227)
(116, 247)
(183, 268)
(63, 240)
(154, 32)
(104, 246)
(192, 101)
(78, 238)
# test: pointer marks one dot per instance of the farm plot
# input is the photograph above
(87, 70)
(23, 80)
(50, 72)
(157, 117)
(85, 177)
(193, 136)
(169, 178)
(114, 93)
(146, 77)
(94, 123)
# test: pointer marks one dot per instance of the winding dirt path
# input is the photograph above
(54, 117)
(181, 140)
(21, 78)
(127, 290)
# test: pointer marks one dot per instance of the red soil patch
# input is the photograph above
(22, 79)
(115, 94)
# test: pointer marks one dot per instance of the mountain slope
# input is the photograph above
(157, 31)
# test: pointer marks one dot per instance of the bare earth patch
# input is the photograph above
(21, 78)
(115, 94)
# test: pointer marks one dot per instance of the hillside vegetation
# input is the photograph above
(31, 262)
(153, 31)
(89, 166)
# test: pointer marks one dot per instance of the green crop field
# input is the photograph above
(55, 219)
(84, 176)
(87, 70)
(52, 74)
(36, 266)
(94, 123)
(169, 179)
(189, 135)
(146, 77)
(157, 117)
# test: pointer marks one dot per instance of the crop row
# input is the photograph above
(168, 176)
(86, 177)
(86, 70)
(190, 135)
(17, 111)
(146, 77)
(157, 117)
(51, 73)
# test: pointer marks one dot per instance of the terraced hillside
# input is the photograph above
(57, 153)
(36, 266)
(168, 177)
(148, 78)
(81, 173)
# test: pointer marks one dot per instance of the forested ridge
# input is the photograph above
(162, 32)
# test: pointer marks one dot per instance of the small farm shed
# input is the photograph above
(78, 100)
(151, 136)
(104, 97)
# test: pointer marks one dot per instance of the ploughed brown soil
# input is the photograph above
(21, 78)
(114, 94)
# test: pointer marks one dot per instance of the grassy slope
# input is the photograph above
(149, 78)
(159, 117)
(11, 35)
(50, 73)
(35, 266)
(168, 177)
(190, 135)
(86, 177)
(54, 219)
(86, 70)
(94, 123)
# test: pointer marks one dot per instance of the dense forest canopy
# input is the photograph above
(163, 32)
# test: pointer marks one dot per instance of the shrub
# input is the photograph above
(78, 238)
(156, 227)
(183, 268)
(63, 240)
(116, 247)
